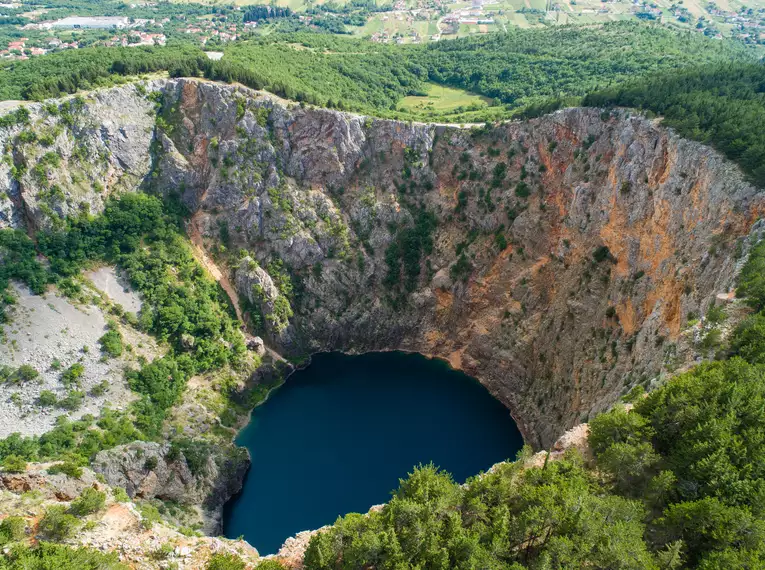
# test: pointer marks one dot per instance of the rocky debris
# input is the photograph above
(48, 485)
(116, 286)
(148, 470)
(51, 333)
(292, 551)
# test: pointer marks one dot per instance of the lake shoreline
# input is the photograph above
(352, 426)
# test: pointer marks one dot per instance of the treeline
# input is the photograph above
(56, 9)
(73, 70)
(374, 81)
(260, 12)
(676, 483)
(722, 105)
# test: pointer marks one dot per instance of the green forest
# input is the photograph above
(516, 69)
(79, 70)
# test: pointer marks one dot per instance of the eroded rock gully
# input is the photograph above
(567, 251)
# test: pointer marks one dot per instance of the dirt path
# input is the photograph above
(199, 251)
(195, 235)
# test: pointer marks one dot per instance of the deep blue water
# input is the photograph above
(339, 434)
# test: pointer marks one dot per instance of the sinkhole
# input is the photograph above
(340, 433)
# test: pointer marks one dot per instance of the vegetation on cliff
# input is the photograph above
(183, 307)
(677, 482)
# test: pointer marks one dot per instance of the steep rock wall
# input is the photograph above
(559, 258)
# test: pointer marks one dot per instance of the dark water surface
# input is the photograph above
(339, 434)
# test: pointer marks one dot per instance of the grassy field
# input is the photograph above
(443, 100)
(397, 23)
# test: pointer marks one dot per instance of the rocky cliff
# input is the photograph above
(557, 260)
(198, 476)
(118, 525)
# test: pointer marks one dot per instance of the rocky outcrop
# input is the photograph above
(149, 470)
(73, 154)
(556, 260)
(119, 526)
(55, 486)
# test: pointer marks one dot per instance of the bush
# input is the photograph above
(630, 466)
(120, 495)
(149, 515)
(461, 269)
(602, 253)
(57, 524)
(14, 464)
(24, 373)
(71, 376)
(12, 529)
(67, 468)
(617, 426)
(716, 314)
(72, 401)
(100, 388)
(708, 524)
(219, 561)
(748, 340)
(20, 261)
(89, 502)
(751, 280)
(47, 399)
(111, 343)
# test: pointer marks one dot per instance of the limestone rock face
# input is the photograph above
(256, 285)
(557, 260)
(55, 486)
(82, 151)
(148, 470)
